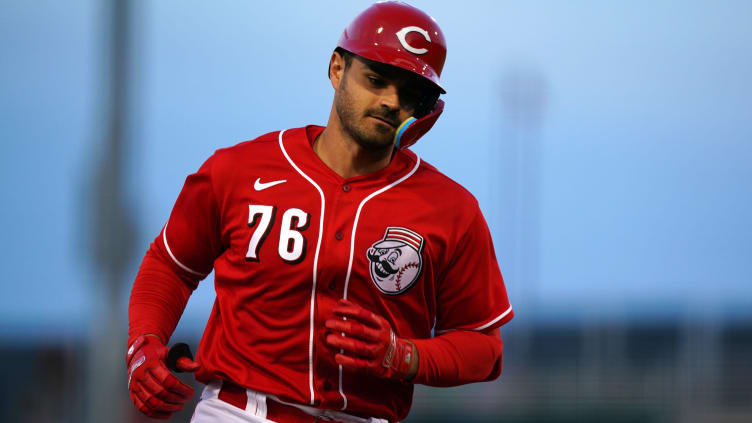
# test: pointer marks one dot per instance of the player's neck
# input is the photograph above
(345, 157)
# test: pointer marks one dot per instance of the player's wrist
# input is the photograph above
(143, 337)
(414, 362)
(398, 357)
(156, 336)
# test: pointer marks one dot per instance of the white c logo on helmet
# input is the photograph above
(402, 33)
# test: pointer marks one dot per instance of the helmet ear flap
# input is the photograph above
(410, 131)
(427, 104)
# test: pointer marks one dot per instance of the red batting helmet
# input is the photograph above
(397, 34)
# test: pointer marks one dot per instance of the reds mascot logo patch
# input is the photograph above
(396, 260)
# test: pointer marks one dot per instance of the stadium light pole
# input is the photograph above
(111, 225)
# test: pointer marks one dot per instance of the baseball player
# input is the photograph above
(347, 269)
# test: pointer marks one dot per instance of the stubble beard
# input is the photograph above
(374, 140)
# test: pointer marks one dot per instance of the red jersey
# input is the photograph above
(287, 237)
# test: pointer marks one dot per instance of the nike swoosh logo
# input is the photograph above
(260, 186)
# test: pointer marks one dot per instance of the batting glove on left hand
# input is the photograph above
(154, 390)
(367, 343)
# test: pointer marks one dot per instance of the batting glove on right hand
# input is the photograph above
(154, 390)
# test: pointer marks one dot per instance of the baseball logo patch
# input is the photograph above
(396, 260)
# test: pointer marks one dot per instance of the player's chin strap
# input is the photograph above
(412, 129)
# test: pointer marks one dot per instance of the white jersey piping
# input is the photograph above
(501, 316)
(352, 248)
(172, 256)
(315, 264)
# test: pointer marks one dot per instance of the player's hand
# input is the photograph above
(367, 343)
(154, 390)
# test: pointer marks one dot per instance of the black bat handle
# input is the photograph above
(177, 351)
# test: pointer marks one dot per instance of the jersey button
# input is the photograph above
(339, 235)
(327, 385)
(346, 188)
(332, 285)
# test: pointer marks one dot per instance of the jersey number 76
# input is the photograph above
(292, 243)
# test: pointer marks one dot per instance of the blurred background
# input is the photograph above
(609, 145)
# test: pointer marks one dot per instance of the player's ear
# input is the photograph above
(336, 69)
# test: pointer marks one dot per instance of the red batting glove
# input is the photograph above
(154, 390)
(367, 343)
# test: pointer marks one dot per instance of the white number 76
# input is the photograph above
(292, 244)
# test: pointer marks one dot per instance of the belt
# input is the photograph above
(280, 411)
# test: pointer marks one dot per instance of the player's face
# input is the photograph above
(372, 100)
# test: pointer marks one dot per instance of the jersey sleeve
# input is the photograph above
(471, 294)
(459, 357)
(191, 238)
(158, 297)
